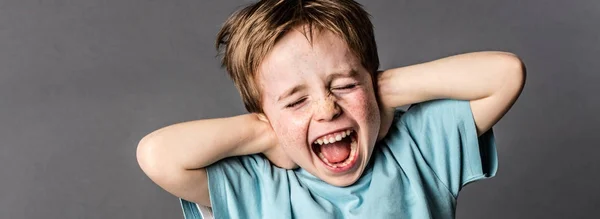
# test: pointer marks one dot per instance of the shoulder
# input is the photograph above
(235, 181)
(433, 112)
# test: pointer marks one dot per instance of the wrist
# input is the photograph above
(388, 89)
(261, 136)
(266, 138)
(403, 86)
(249, 135)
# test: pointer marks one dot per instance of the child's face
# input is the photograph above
(310, 92)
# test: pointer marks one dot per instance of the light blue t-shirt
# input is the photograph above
(430, 153)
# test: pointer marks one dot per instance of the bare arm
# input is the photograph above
(492, 81)
(174, 157)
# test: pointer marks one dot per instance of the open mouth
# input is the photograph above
(338, 151)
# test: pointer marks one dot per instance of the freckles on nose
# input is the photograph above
(326, 104)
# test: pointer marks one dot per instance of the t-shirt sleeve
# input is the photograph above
(242, 187)
(445, 136)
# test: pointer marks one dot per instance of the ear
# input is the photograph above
(262, 117)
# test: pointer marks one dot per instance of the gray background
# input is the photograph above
(82, 81)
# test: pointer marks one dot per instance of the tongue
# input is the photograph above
(336, 152)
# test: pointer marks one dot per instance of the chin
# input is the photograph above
(346, 180)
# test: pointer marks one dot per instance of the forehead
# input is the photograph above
(295, 60)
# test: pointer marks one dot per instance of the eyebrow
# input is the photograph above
(291, 91)
(345, 73)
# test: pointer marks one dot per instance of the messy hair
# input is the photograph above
(251, 32)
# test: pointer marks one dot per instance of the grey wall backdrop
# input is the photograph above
(81, 82)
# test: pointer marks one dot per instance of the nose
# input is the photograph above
(326, 109)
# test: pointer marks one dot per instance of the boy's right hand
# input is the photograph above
(273, 151)
(279, 158)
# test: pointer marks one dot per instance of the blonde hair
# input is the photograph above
(251, 32)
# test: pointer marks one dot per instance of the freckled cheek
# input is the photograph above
(363, 105)
(291, 132)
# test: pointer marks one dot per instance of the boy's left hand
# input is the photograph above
(386, 112)
(279, 158)
(273, 151)
(387, 117)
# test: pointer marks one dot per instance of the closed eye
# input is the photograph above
(291, 105)
(350, 86)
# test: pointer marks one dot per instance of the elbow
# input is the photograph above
(148, 159)
(515, 66)
(519, 72)
(156, 161)
(514, 74)
(143, 154)
(158, 166)
(513, 69)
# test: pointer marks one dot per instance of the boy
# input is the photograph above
(320, 110)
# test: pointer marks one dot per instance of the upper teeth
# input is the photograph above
(331, 138)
